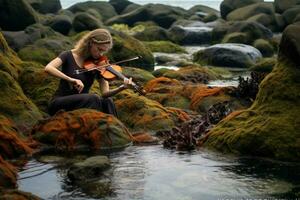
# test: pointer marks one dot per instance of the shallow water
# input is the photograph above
(152, 172)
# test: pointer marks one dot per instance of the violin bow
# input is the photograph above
(80, 71)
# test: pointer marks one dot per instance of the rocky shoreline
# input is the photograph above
(244, 34)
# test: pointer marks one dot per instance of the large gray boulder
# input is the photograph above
(84, 21)
(229, 5)
(162, 15)
(228, 55)
(16, 15)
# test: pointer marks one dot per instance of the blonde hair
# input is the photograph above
(98, 36)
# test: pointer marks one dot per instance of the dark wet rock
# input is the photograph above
(270, 127)
(190, 35)
(290, 14)
(161, 14)
(82, 128)
(160, 72)
(228, 55)
(253, 30)
(152, 33)
(229, 5)
(283, 5)
(84, 21)
(130, 8)
(90, 168)
(16, 15)
(45, 6)
(120, 5)
(61, 24)
(125, 46)
(203, 9)
(104, 9)
(210, 17)
(264, 47)
(19, 39)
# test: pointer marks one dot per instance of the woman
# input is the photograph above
(73, 89)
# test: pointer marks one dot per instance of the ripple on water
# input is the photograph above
(152, 172)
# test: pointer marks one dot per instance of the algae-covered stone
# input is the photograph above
(152, 33)
(84, 21)
(229, 5)
(37, 84)
(161, 14)
(120, 5)
(126, 47)
(12, 144)
(290, 14)
(16, 15)
(105, 9)
(45, 6)
(148, 114)
(14, 104)
(271, 126)
(82, 128)
(8, 175)
(164, 46)
(9, 61)
(283, 5)
(264, 47)
(265, 65)
(91, 167)
(236, 37)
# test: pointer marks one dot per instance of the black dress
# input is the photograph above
(67, 97)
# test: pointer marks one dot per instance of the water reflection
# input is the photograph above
(151, 172)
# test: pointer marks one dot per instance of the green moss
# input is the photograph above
(236, 37)
(37, 54)
(164, 46)
(126, 29)
(265, 65)
(37, 84)
(14, 104)
(160, 72)
(264, 47)
(271, 127)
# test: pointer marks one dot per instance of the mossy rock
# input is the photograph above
(138, 75)
(37, 84)
(160, 72)
(126, 47)
(265, 65)
(46, 49)
(162, 15)
(14, 104)
(236, 37)
(82, 128)
(193, 74)
(152, 33)
(148, 115)
(204, 9)
(264, 47)
(104, 9)
(164, 46)
(271, 126)
(16, 15)
(12, 143)
(120, 5)
(17, 194)
(251, 10)
(84, 21)
(8, 175)
(290, 14)
(45, 6)
(210, 18)
(283, 5)
(9, 61)
(128, 30)
(229, 5)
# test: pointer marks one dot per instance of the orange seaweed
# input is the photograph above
(202, 92)
(8, 173)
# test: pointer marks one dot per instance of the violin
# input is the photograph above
(109, 71)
